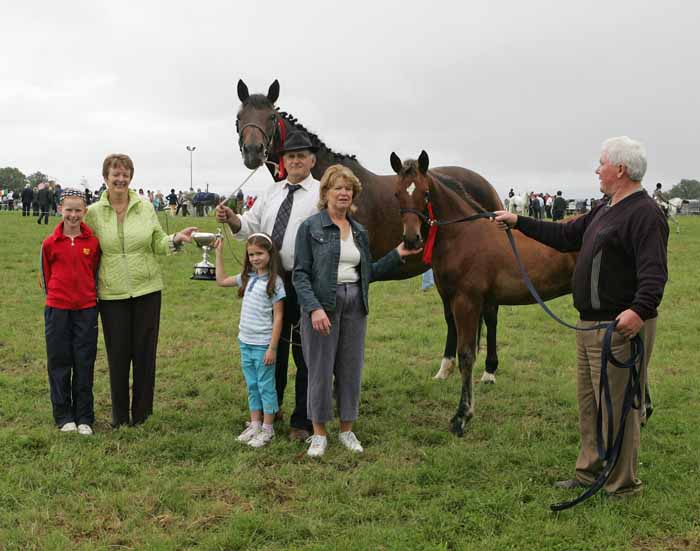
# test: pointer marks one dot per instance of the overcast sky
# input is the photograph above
(522, 92)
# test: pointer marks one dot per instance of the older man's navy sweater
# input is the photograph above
(622, 256)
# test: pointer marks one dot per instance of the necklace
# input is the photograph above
(120, 210)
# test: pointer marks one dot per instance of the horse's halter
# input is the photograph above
(423, 215)
(431, 220)
(267, 138)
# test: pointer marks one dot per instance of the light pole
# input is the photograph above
(191, 148)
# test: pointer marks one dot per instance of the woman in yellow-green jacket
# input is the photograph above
(129, 287)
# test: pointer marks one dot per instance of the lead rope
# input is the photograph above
(225, 229)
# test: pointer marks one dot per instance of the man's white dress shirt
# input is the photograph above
(261, 218)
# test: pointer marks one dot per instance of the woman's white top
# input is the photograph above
(349, 260)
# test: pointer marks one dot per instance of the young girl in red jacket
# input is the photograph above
(69, 261)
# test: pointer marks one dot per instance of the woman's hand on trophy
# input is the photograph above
(218, 246)
(184, 236)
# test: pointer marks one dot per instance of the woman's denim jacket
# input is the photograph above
(316, 259)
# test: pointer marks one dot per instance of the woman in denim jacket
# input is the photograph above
(332, 271)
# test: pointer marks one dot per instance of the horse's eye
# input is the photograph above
(272, 116)
(396, 194)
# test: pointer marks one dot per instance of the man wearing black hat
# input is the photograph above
(279, 212)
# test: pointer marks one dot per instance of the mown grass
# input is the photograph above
(182, 482)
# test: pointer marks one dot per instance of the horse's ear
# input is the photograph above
(395, 162)
(242, 91)
(423, 162)
(273, 92)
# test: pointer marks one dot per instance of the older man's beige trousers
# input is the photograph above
(623, 479)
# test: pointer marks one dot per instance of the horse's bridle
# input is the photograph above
(267, 137)
(423, 215)
(430, 220)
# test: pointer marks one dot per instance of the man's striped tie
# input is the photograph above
(282, 218)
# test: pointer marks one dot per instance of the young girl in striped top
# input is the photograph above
(259, 330)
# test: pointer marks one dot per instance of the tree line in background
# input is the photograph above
(13, 179)
(685, 189)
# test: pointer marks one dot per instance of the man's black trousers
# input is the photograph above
(299, 417)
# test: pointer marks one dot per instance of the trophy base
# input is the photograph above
(204, 273)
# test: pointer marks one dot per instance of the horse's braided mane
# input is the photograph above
(410, 168)
(455, 186)
(261, 101)
(291, 119)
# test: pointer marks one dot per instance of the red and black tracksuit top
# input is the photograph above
(69, 268)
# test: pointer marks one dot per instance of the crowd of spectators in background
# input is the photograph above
(545, 205)
(44, 200)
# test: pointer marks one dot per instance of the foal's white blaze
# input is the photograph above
(447, 366)
(410, 189)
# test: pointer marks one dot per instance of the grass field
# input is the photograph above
(181, 481)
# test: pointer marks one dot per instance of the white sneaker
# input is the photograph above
(248, 434)
(261, 438)
(85, 429)
(318, 445)
(69, 427)
(350, 441)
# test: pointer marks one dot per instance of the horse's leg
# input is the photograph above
(490, 314)
(447, 365)
(467, 315)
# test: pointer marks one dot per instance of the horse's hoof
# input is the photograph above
(457, 426)
(488, 378)
(447, 366)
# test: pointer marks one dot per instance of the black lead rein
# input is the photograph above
(633, 392)
(434, 222)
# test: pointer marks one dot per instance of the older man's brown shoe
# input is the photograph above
(299, 435)
(572, 484)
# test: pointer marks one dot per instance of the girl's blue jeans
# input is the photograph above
(259, 378)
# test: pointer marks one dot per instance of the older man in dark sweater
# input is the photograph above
(620, 274)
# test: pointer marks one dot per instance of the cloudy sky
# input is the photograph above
(522, 92)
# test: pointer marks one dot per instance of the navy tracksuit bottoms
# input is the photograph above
(71, 346)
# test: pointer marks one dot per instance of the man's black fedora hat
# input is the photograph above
(298, 141)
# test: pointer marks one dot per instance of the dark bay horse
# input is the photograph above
(473, 263)
(261, 131)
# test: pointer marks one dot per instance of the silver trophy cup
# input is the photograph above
(205, 270)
